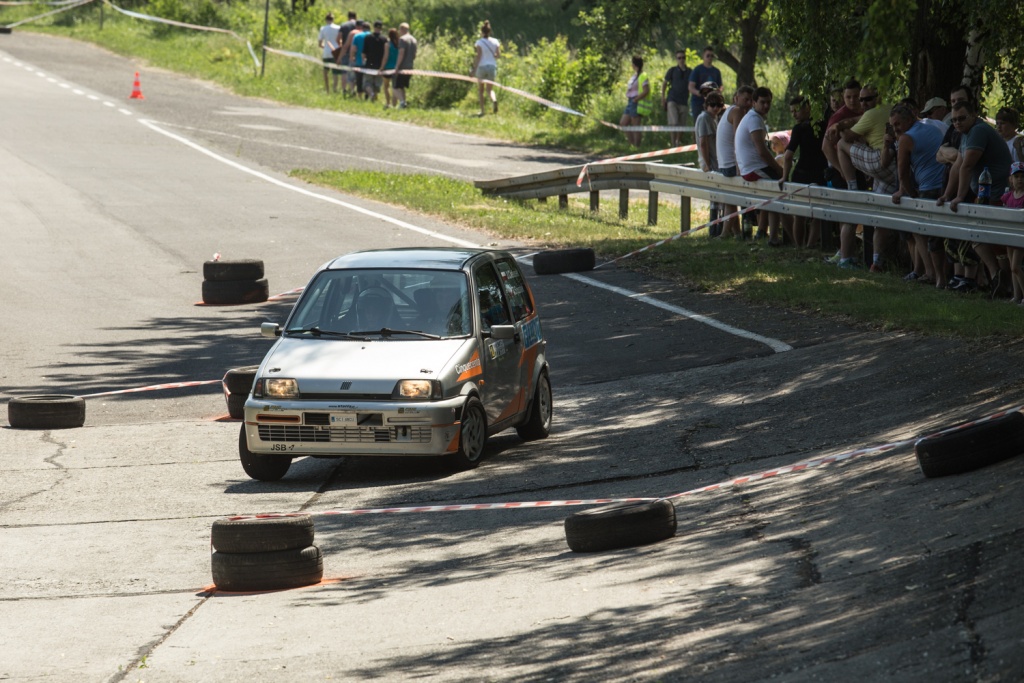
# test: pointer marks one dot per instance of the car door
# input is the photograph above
(500, 392)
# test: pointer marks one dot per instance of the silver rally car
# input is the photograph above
(400, 352)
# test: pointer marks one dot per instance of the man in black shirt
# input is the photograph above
(676, 81)
(374, 53)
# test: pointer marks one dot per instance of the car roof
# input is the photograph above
(430, 258)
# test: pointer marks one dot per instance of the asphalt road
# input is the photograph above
(863, 570)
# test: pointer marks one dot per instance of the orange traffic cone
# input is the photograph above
(136, 89)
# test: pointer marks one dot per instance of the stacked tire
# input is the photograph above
(234, 282)
(265, 553)
(237, 383)
(53, 411)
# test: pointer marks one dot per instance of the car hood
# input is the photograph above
(323, 366)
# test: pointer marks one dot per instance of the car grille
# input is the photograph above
(297, 434)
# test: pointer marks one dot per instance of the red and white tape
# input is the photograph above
(720, 219)
(154, 387)
(634, 157)
(738, 481)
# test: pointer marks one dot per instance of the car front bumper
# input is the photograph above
(330, 429)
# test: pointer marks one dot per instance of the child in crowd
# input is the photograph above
(1014, 199)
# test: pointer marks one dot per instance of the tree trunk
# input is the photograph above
(935, 67)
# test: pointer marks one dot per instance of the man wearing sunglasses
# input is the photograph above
(981, 146)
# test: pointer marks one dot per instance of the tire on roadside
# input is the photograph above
(235, 292)
(238, 269)
(558, 261)
(267, 571)
(56, 411)
(261, 467)
(236, 405)
(262, 534)
(240, 380)
(620, 525)
(972, 447)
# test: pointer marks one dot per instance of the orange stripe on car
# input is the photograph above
(472, 368)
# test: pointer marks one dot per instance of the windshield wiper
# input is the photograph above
(387, 332)
(317, 332)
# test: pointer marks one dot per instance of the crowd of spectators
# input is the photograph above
(372, 60)
(946, 152)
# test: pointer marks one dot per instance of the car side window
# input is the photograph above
(490, 297)
(515, 289)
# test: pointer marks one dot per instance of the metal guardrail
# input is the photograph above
(972, 222)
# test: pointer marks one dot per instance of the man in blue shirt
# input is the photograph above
(702, 73)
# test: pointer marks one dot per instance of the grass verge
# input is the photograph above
(796, 279)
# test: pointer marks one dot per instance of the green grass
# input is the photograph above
(796, 279)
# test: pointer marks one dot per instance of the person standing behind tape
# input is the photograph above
(348, 78)
(638, 101)
(676, 81)
(406, 58)
(390, 62)
(485, 64)
(328, 42)
(725, 146)
(702, 73)
(356, 52)
(375, 52)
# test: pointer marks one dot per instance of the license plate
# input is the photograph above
(343, 419)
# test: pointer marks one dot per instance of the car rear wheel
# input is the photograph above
(538, 423)
(472, 436)
(262, 467)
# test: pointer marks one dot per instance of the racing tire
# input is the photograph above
(236, 405)
(472, 436)
(558, 261)
(240, 269)
(240, 380)
(620, 525)
(972, 447)
(268, 571)
(235, 292)
(57, 411)
(538, 423)
(262, 534)
(261, 467)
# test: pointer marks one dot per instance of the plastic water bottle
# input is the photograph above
(985, 187)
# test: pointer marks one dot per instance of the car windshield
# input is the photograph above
(406, 303)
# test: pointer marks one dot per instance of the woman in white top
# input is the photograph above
(485, 64)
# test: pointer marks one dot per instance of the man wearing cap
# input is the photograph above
(328, 42)
(375, 48)
(936, 109)
(702, 73)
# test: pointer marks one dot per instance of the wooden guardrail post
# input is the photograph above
(623, 203)
(563, 201)
(595, 200)
(542, 200)
(684, 213)
(652, 208)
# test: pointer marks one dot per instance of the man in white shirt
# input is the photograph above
(755, 161)
(328, 41)
(725, 143)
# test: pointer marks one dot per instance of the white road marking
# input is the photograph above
(257, 126)
(301, 190)
(773, 344)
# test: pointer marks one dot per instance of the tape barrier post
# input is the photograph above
(720, 219)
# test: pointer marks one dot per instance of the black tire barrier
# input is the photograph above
(267, 571)
(225, 271)
(236, 405)
(240, 380)
(235, 291)
(261, 467)
(620, 525)
(262, 534)
(57, 411)
(563, 261)
(972, 447)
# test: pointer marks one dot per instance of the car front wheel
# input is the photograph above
(262, 467)
(472, 436)
(538, 424)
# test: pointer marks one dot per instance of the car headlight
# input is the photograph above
(417, 389)
(276, 388)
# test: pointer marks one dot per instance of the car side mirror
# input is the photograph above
(503, 331)
(270, 330)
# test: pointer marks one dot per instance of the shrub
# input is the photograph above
(451, 54)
